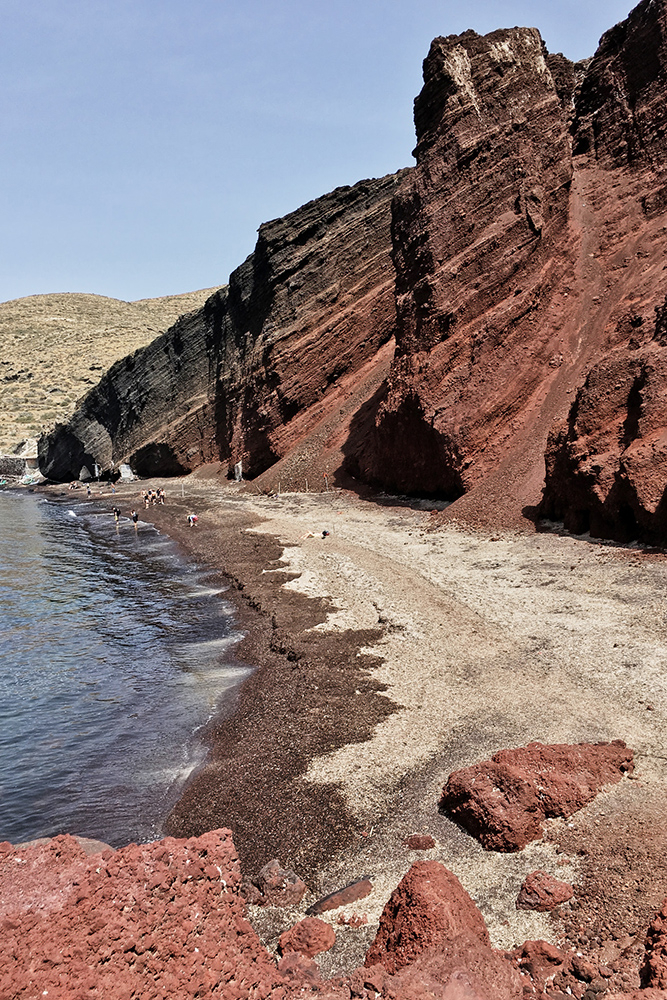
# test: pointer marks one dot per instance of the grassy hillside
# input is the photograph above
(54, 348)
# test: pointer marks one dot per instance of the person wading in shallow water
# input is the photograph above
(116, 514)
(135, 517)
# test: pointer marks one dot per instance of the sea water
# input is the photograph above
(114, 651)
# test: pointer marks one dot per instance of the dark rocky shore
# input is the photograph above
(295, 706)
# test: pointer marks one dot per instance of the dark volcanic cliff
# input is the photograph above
(312, 305)
(527, 243)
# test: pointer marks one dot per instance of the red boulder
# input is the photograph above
(309, 937)
(432, 932)
(543, 892)
(503, 802)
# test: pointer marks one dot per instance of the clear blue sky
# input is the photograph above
(144, 141)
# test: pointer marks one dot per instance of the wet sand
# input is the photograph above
(395, 650)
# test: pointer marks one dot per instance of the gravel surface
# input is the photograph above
(465, 642)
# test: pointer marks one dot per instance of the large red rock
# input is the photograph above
(521, 262)
(431, 931)
(474, 224)
(309, 937)
(503, 802)
(543, 892)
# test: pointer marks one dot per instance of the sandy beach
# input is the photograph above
(396, 649)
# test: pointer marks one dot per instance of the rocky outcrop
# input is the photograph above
(168, 919)
(606, 465)
(138, 921)
(529, 242)
(242, 379)
(620, 116)
(479, 228)
(503, 802)
(525, 246)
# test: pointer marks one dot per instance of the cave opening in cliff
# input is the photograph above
(157, 460)
(400, 451)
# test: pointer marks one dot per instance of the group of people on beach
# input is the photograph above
(151, 497)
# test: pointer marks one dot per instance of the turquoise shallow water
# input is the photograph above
(113, 652)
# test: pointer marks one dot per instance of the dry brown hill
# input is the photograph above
(54, 348)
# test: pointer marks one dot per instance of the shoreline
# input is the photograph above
(260, 744)
(396, 650)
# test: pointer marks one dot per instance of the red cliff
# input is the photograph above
(521, 259)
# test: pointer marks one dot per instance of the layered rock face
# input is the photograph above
(525, 247)
(606, 462)
(240, 380)
(478, 231)
(54, 348)
(529, 242)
